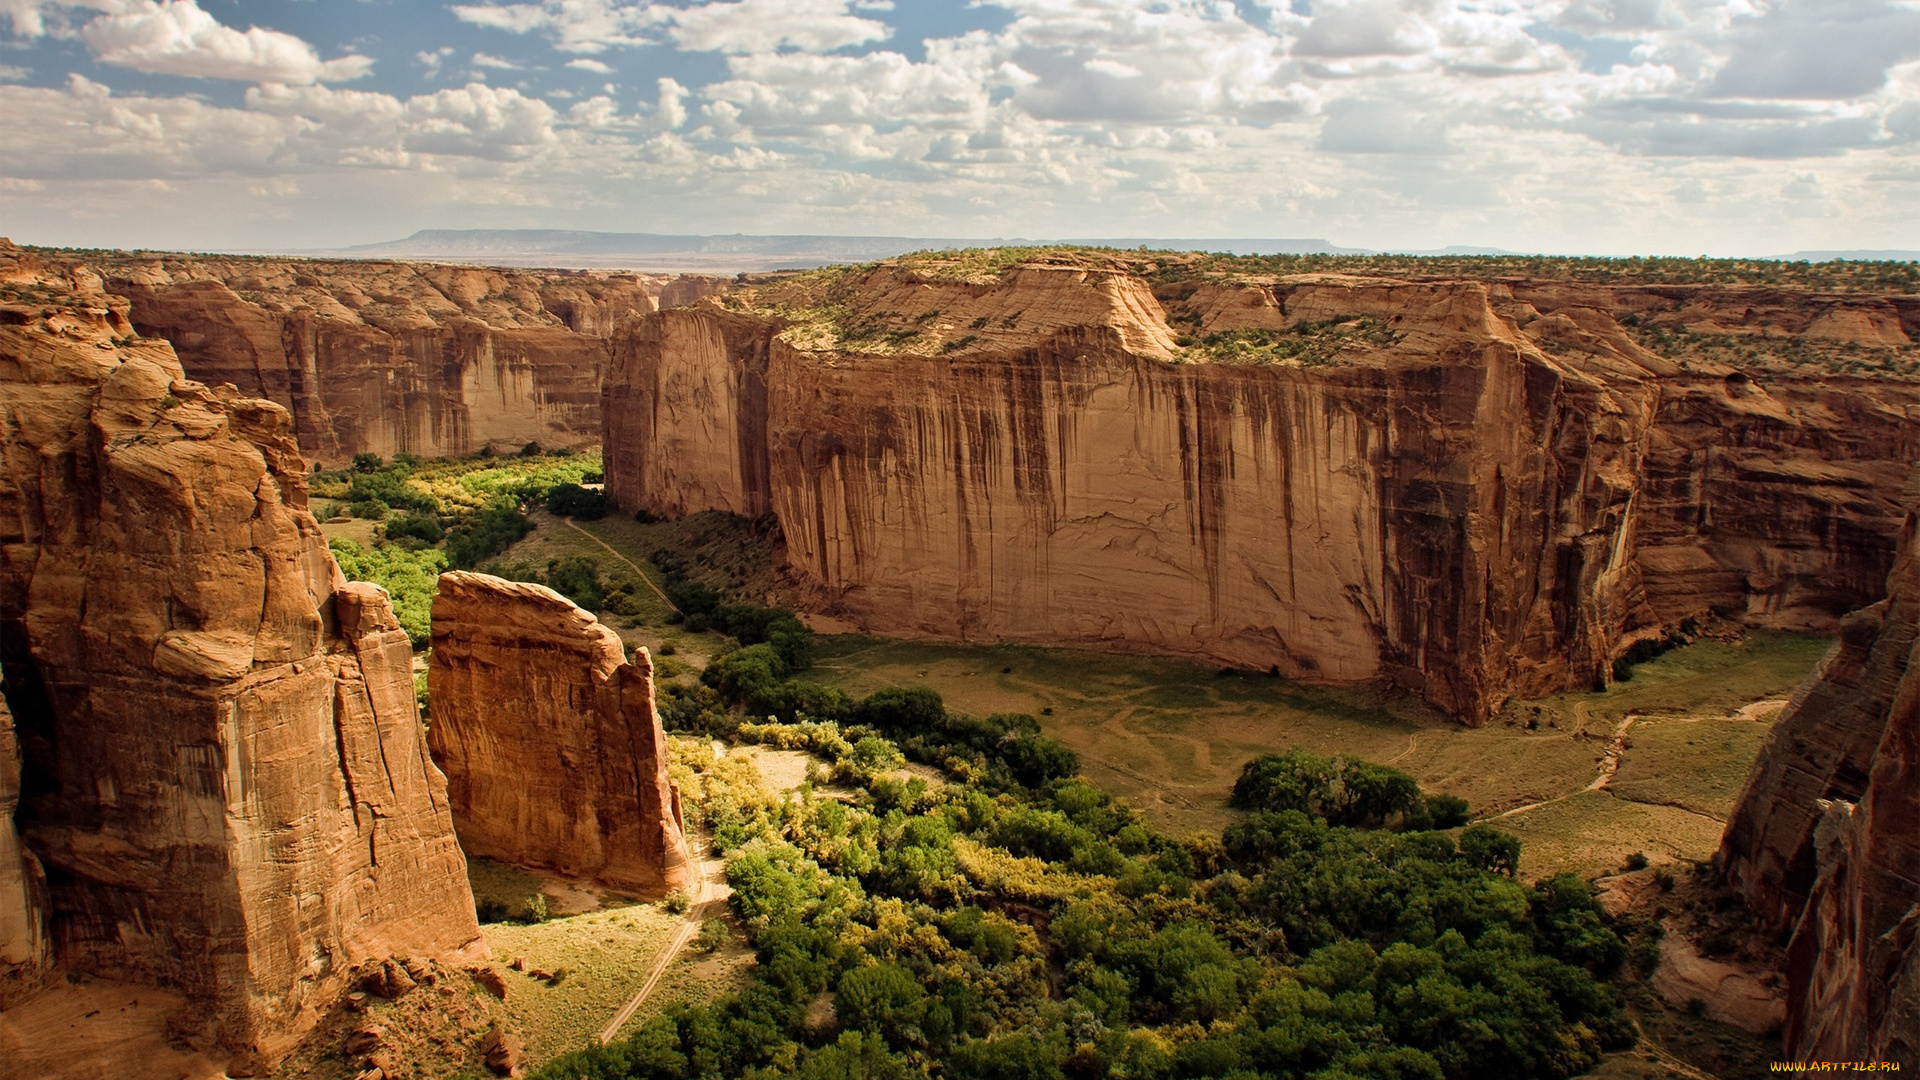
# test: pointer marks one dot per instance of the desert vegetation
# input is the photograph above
(1009, 919)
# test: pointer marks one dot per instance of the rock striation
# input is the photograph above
(381, 357)
(553, 752)
(1825, 841)
(225, 777)
(1471, 489)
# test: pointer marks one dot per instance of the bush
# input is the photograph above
(485, 534)
(367, 463)
(713, 935)
(572, 500)
(416, 527)
(1446, 811)
(578, 579)
(368, 509)
(1347, 792)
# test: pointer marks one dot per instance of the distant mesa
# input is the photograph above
(738, 252)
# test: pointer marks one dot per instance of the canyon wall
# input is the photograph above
(1825, 840)
(384, 358)
(224, 773)
(553, 752)
(1439, 484)
(23, 905)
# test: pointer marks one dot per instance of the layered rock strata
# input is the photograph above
(373, 357)
(225, 776)
(1826, 837)
(1446, 485)
(553, 752)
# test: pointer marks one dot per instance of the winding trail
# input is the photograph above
(1609, 765)
(709, 899)
(1413, 740)
(615, 552)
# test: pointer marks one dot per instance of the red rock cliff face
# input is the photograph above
(1466, 496)
(225, 777)
(23, 902)
(553, 752)
(1826, 838)
(389, 357)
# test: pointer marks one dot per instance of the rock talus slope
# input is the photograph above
(1826, 837)
(225, 776)
(553, 752)
(1431, 483)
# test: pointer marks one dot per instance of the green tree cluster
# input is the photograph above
(410, 576)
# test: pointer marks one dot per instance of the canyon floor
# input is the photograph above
(1171, 737)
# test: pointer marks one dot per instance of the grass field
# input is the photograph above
(1171, 736)
(606, 956)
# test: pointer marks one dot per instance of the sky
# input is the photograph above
(1614, 127)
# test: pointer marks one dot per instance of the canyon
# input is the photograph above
(553, 751)
(213, 775)
(1825, 843)
(1471, 489)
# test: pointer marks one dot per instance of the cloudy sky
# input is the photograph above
(1605, 126)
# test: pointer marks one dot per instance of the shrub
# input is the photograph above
(367, 463)
(486, 534)
(578, 579)
(572, 500)
(368, 509)
(416, 527)
(1446, 811)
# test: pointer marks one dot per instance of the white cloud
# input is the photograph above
(176, 37)
(13, 73)
(432, 59)
(729, 26)
(757, 26)
(1521, 123)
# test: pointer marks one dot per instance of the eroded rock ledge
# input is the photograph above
(553, 752)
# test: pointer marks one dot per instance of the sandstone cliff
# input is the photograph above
(23, 904)
(1826, 838)
(381, 357)
(1471, 489)
(225, 777)
(553, 752)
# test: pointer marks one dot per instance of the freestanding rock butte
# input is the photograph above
(225, 778)
(553, 752)
(1471, 489)
(1825, 840)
